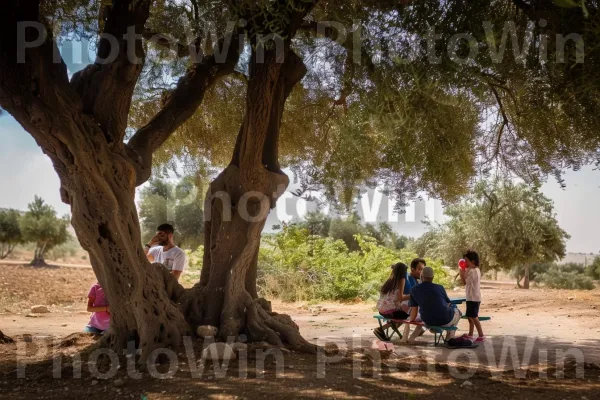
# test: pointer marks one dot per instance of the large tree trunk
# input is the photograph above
(237, 205)
(526, 277)
(38, 257)
(80, 124)
(105, 219)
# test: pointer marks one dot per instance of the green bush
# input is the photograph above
(567, 276)
(593, 270)
(191, 275)
(294, 265)
(67, 249)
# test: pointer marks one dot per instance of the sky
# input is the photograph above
(25, 172)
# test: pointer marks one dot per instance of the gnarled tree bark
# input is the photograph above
(80, 124)
(237, 205)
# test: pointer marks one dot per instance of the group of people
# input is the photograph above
(412, 295)
(161, 249)
(406, 295)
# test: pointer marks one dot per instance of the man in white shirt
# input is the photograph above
(162, 249)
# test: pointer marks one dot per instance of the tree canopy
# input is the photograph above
(411, 113)
(41, 225)
(10, 232)
(416, 95)
(510, 225)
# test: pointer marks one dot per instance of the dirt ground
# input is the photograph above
(528, 335)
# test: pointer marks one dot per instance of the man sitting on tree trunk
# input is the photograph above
(162, 250)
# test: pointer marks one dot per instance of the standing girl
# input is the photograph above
(471, 278)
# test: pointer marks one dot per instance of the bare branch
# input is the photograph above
(180, 106)
(168, 43)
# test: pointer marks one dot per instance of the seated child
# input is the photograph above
(392, 302)
(98, 306)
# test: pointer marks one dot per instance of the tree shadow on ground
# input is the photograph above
(267, 372)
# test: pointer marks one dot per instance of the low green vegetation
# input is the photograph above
(294, 265)
(593, 270)
(566, 276)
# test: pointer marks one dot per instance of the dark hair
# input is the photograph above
(415, 263)
(398, 273)
(472, 256)
(166, 228)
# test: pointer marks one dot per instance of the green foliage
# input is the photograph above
(346, 229)
(41, 226)
(178, 204)
(567, 276)
(535, 270)
(10, 232)
(593, 270)
(295, 265)
(387, 112)
(191, 275)
(508, 224)
(68, 249)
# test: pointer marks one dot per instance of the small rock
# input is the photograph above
(466, 384)
(32, 316)
(40, 309)
(205, 331)
(63, 325)
(237, 346)
(593, 307)
(118, 383)
(571, 298)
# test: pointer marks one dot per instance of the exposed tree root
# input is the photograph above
(5, 339)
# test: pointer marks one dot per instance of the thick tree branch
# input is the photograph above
(167, 42)
(33, 88)
(181, 105)
(291, 74)
(106, 87)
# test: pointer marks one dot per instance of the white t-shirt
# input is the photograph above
(473, 280)
(174, 259)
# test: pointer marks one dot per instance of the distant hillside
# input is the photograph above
(579, 258)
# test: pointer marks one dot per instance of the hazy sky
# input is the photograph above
(25, 171)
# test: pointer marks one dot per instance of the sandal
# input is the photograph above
(380, 334)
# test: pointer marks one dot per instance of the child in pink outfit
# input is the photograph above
(98, 306)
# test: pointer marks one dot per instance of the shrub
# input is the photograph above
(593, 270)
(294, 265)
(567, 276)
